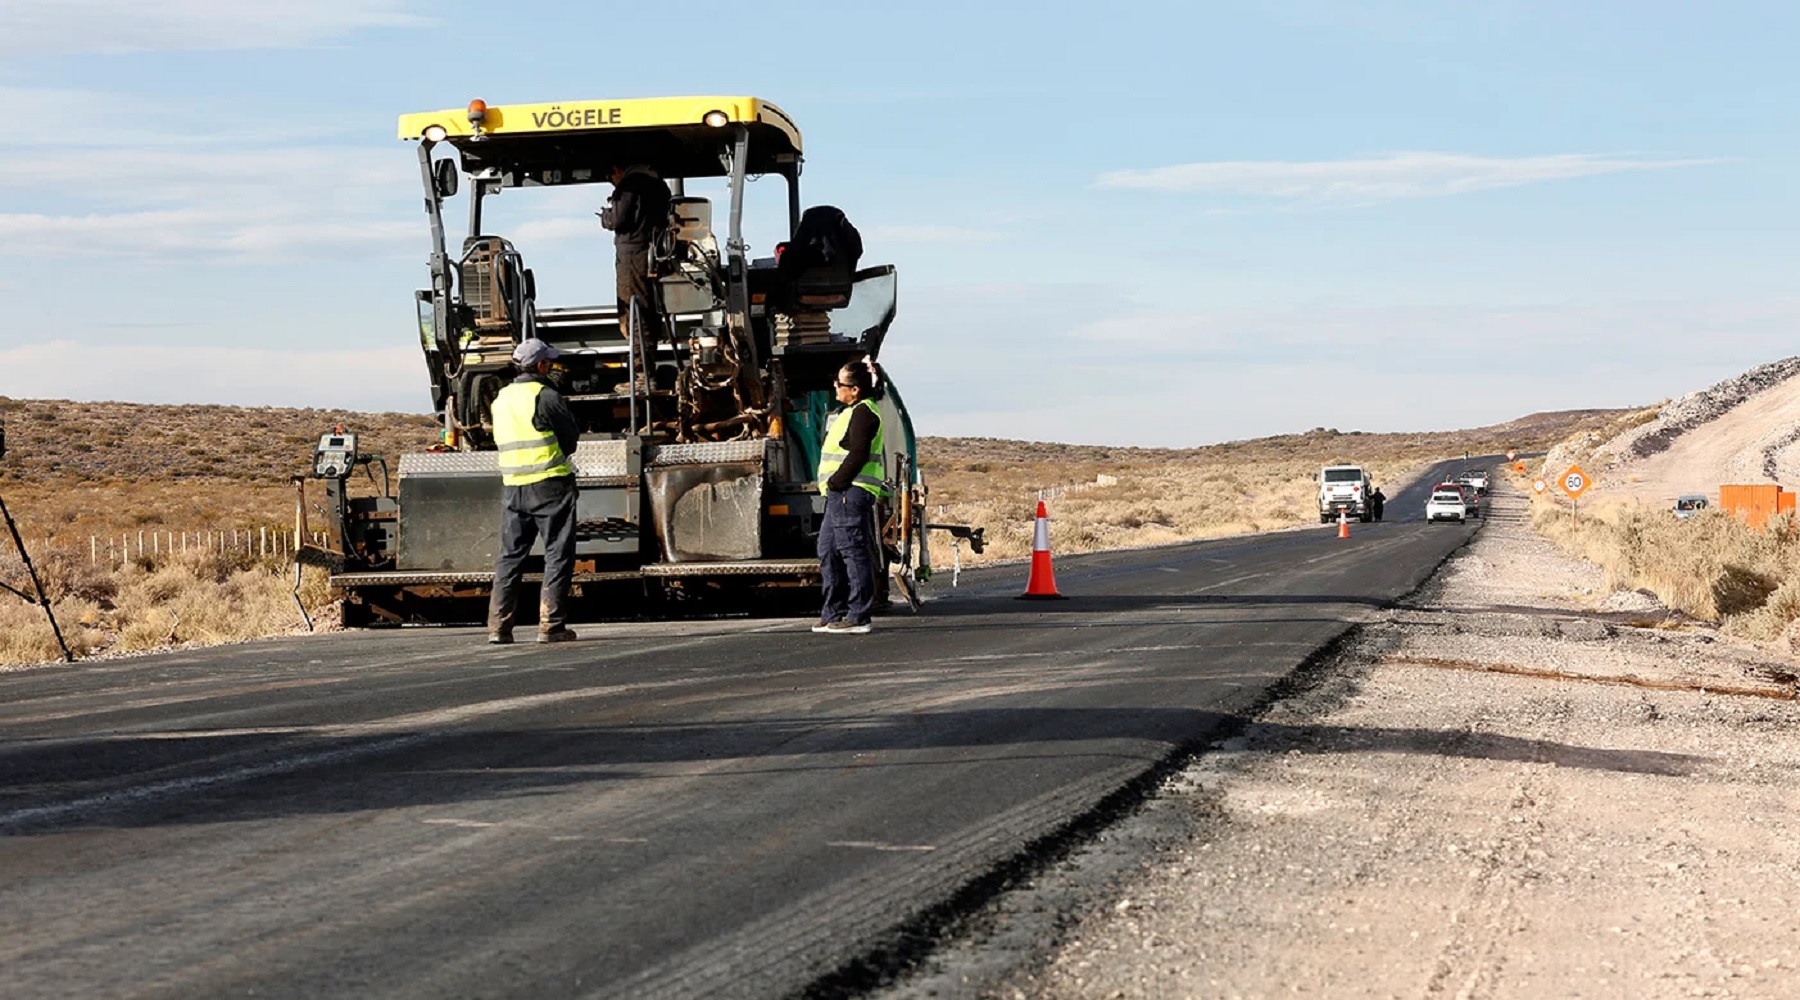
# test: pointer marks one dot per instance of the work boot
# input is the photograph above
(500, 637)
(561, 633)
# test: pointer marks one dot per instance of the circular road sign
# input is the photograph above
(1574, 481)
(1539, 486)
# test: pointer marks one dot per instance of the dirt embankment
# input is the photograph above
(1745, 429)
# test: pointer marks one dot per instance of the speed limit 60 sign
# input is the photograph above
(1574, 481)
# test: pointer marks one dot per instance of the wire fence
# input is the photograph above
(116, 550)
(1052, 492)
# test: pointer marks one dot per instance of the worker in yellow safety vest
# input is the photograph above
(536, 434)
(852, 476)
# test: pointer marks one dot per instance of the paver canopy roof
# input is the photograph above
(573, 142)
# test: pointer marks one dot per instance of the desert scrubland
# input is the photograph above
(157, 525)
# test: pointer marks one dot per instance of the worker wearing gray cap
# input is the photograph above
(536, 433)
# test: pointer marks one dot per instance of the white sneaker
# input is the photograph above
(825, 626)
(845, 628)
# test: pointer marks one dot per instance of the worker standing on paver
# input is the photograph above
(636, 212)
(852, 465)
(535, 433)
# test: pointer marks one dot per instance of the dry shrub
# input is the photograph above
(1776, 619)
(192, 599)
(199, 598)
(62, 574)
(1713, 566)
(25, 635)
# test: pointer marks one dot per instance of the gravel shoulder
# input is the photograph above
(1517, 786)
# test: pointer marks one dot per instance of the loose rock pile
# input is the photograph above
(1696, 408)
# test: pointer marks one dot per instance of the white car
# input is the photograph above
(1477, 478)
(1446, 504)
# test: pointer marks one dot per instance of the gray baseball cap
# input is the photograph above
(530, 352)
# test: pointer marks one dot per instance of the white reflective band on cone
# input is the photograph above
(1040, 536)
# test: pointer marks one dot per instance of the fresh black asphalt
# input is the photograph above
(730, 808)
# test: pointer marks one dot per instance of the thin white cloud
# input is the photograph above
(1281, 332)
(246, 203)
(387, 378)
(39, 27)
(1175, 378)
(272, 236)
(164, 176)
(64, 118)
(1391, 177)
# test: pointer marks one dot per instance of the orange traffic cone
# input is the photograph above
(1343, 524)
(1041, 585)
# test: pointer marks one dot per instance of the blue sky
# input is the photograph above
(1162, 224)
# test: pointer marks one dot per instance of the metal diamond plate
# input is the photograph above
(592, 460)
(749, 567)
(709, 452)
(450, 463)
(351, 581)
(601, 459)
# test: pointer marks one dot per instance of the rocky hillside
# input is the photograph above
(1744, 429)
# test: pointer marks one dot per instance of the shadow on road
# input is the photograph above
(1478, 746)
(151, 780)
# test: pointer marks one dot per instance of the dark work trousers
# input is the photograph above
(547, 509)
(846, 556)
(631, 261)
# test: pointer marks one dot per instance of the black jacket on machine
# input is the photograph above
(637, 210)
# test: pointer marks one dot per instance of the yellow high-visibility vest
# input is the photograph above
(527, 455)
(831, 457)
